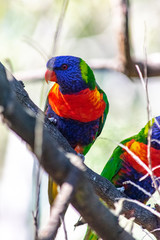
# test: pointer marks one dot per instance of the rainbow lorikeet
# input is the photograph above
(123, 169)
(75, 103)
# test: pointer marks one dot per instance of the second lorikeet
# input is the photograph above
(132, 173)
(75, 103)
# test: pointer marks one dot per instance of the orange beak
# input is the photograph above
(50, 76)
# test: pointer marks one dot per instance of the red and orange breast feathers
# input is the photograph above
(140, 150)
(84, 106)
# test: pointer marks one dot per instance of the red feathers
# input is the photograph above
(140, 150)
(84, 106)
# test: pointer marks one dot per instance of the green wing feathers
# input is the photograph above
(104, 116)
(52, 190)
(90, 235)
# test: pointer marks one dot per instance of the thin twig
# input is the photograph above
(153, 69)
(36, 211)
(35, 45)
(38, 150)
(140, 162)
(149, 115)
(59, 26)
(145, 84)
(64, 228)
(134, 156)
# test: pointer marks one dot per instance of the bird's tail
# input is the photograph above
(90, 235)
(52, 190)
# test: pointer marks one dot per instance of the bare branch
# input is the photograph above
(153, 69)
(59, 26)
(36, 211)
(38, 150)
(145, 217)
(36, 46)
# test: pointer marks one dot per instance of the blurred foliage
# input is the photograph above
(89, 29)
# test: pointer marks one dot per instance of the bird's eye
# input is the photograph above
(64, 66)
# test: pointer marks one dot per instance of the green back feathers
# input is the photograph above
(87, 75)
(89, 78)
(143, 134)
(114, 163)
(103, 118)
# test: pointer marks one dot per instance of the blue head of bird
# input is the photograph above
(71, 73)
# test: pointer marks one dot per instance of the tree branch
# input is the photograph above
(57, 164)
(103, 187)
(144, 217)
(153, 69)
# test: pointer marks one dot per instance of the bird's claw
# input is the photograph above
(121, 189)
(81, 156)
(53, 120)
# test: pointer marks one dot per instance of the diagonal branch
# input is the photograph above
(58, 165)
(144, 216)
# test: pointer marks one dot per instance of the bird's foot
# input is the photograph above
(79, 149)
(53, 120)
(121, 189)
(81, 156)
(149, 205)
